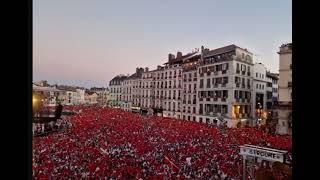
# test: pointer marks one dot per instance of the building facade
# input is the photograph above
(225, 85)
(116, 90)
(208, 86)
(260, 93)
(285, 89)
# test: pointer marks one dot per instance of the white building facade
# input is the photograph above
(260, 88)
(285, 89)
(225, 85)
(116, 90)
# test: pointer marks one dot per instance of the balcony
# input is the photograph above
(207, 99)
(200, 99)
(243, 73)
(237, 99)
(243, 100)
(208, 73)
(208, 86)
(223, 85)
(237, 85)
(194, 79)
(238, 72)
(189, 79)
(215, 85)
(224, 72)
(189, 102)
(289, 84)
(215, 73)
(215, 99)
(201, 75)
(194, 101)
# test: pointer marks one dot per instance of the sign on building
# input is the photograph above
(263, 153)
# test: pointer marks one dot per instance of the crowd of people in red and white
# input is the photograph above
(114, 144)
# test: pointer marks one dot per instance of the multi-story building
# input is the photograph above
(199, 86)
(91, 98)
(189, 86)
(225, 85)
(285, 89)
(116, 90)
(272, 95)
(131, 90)
(102, 95)
(259, 98)
(147, 89)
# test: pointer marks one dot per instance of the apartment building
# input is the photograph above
(285, 89)
(115, 85)
(189, 85)
(200, 86)
(225, 85)
(260, 88)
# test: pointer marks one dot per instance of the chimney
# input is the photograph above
(137, 69)
(202, 48)
(158, 67)
(179, 55)
(146, 69)
(170, 57)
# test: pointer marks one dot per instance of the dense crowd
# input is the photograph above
(114, 144)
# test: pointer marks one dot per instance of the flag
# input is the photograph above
(172, 165)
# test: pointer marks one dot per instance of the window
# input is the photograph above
(262, 76)
(256, 74)
(225, 80)
(238, 70)
(201, 83)
(257, 86)
(208, 83)
(194, 118)
(236, 94)
(262, 86)
(194, 110)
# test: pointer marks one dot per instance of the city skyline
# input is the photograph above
(88, 43)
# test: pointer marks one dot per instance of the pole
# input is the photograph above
(244, 168)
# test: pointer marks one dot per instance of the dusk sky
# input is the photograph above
(88, 42)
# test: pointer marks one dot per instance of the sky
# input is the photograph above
(88, 42)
